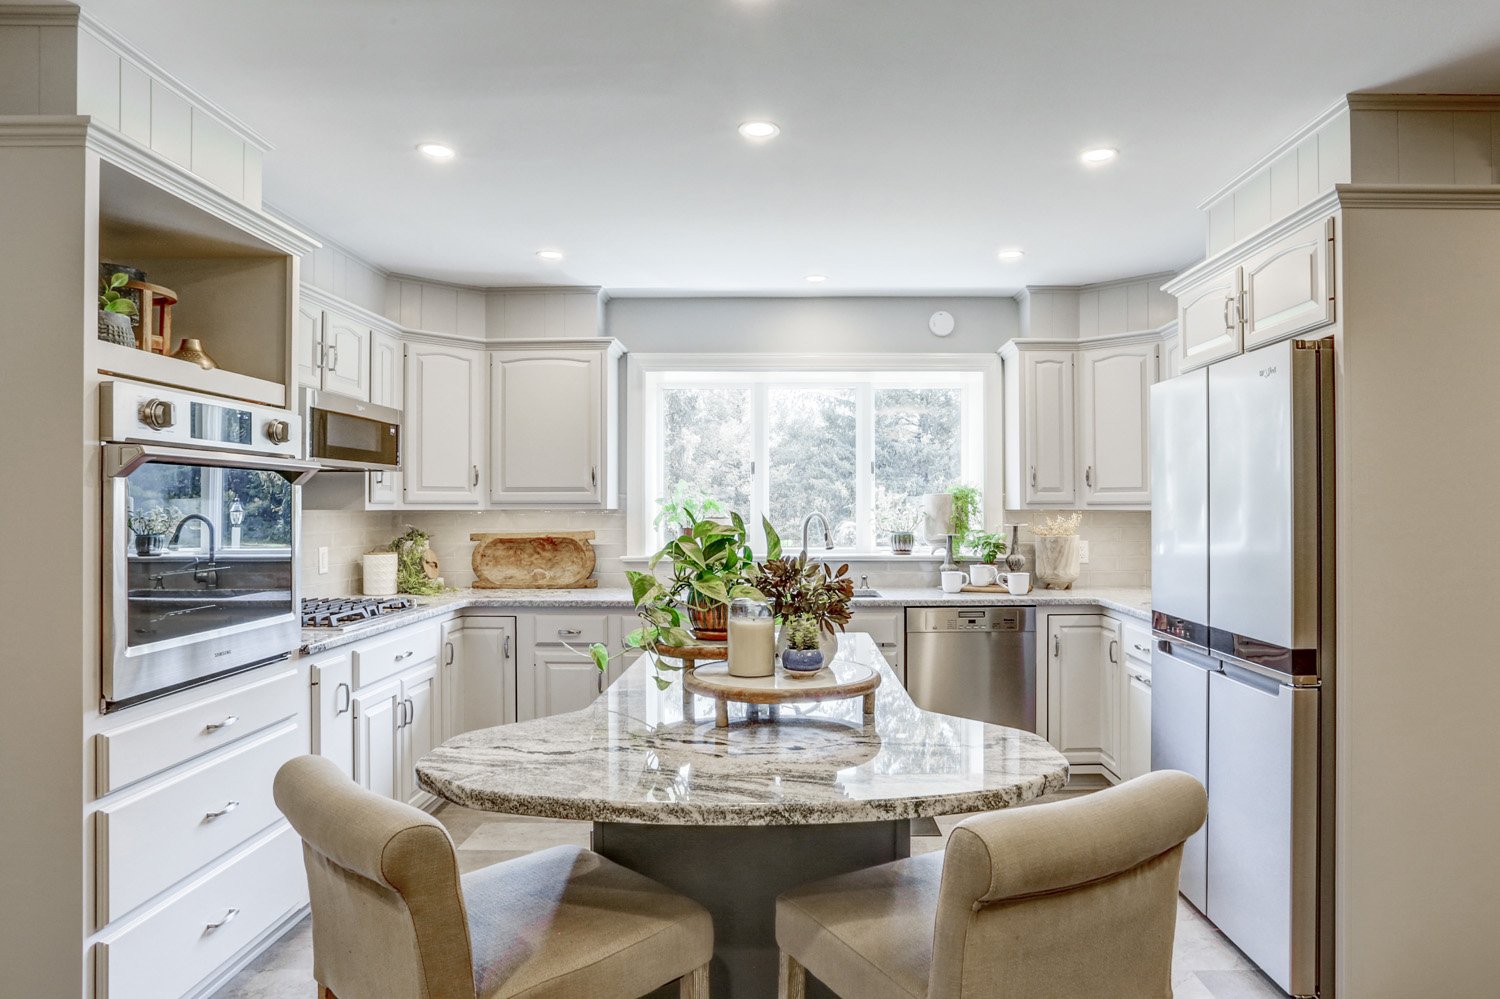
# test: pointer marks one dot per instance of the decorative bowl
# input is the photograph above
(802, 662)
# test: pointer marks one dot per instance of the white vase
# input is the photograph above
(1057, 561)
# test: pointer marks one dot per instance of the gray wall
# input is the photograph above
(808, 324)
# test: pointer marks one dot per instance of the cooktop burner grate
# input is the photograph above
(335, 612)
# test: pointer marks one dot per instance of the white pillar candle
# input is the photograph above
(752, 647)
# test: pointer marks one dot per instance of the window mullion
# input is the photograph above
(760, 476)
(864, 470)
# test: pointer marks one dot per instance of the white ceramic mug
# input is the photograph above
(953, 582)
(982, 574)
(1018, 582)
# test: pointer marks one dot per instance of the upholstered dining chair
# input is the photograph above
(393, 919)
(1073, 900)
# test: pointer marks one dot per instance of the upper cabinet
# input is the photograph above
(1076, 421)
(332, 352)
(553, 415)
(1114, 385)
(387, 388)
(443, 425)
(1277, 285)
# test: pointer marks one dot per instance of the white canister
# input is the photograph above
(380, 574)
(752, 638)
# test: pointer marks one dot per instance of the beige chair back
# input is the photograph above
(387, 907)
(1074, 899)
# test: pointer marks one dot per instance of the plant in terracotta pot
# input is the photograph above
(803, 653)
(115, 310)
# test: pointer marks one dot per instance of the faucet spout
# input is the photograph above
(807, 526)
(209, 575)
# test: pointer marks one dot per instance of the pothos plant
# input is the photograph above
(110, 299)
(711, 565)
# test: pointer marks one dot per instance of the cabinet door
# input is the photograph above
(421, 722)
(1171, 357)
(333, 710)
(346, 356)
(546, 432)
(443, 424)
(387, 379)
(564, 682)
(377, 717)
(450, 664)
(308, 349)
(1208, 323)
(1114, 413)
(1083, 700)
(1047, 404)
(487, 674)
(1135, 735)
(1289, 288)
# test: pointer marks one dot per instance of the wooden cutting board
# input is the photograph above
(563, 560)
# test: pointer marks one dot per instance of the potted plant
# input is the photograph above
(988, 546)
(802, 654)
(710, 561)
(895, 517)
(685, 508)
(797, 587)
(150, 528)
(966, 501)
(115, 310)
(411, 574)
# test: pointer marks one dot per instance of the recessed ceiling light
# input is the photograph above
(1095, 157)
(760, 130)
(1010, 256)
(551, 256)
(435, 151)
(817, 278)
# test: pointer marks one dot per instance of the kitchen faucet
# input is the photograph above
(807, 525)
(208, 576)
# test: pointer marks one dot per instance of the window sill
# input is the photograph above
(834, 557)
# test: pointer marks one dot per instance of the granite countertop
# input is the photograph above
(633, 756)
(1135, 602)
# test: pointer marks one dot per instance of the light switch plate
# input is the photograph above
(322, 561)
(1083, 552)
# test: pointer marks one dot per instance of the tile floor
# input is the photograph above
(1204, 965)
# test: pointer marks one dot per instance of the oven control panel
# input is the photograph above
(134, 412)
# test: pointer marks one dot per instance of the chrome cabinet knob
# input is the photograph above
(158, 414)
(278, 431)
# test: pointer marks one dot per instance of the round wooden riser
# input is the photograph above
(838, 680)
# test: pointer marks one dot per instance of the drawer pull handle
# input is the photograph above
(228, 918)
(406, 655)
(342, 688)
(568, 632)
(1139, 647)
(228, 807)
(215, 726)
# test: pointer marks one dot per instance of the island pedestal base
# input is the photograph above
(736, 872)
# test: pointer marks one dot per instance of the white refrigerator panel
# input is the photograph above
(1250, 496)
(1179, 496)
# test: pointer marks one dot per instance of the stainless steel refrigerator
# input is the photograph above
(1242, 671)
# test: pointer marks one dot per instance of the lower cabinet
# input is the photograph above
(396, 723)
(1083, 676)
(564, 681)
(1135, 720)
(485, 657)
(332, 679)
(888, 629)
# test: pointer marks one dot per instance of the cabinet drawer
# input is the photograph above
(137, 751)
(382, 657)
(1136, 638)
(181, 942)
(577, 630)
(153, 839)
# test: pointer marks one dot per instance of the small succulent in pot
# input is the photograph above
(115, 310)
(150, 528)
(803, 653)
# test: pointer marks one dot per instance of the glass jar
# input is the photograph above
(752, 638)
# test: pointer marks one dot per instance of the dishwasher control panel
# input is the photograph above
(968, 619)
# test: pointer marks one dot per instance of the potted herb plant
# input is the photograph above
(802, 654)
(988, 546)
(684, 508)
(150, 528)
(115, 310)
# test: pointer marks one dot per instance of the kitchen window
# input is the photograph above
(860, 446)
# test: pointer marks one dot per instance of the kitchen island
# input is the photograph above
(733, 816)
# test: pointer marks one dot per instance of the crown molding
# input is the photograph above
(45, 15)
(1015, 345)
(327, 300)
(1291, 142)
(1320, 207)
(1481, 196)
(44, 130)
(1424, 102)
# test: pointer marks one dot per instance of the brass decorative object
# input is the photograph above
(192, 350)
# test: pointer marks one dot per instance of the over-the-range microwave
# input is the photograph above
(342, 432)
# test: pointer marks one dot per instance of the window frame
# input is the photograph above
(647, 373)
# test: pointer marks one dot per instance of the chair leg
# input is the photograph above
(324, 992)
(694, 984)
(793, 979)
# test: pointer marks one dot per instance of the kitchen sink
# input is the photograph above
(865, 591)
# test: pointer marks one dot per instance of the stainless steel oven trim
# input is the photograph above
(334, 403)
(118, 461)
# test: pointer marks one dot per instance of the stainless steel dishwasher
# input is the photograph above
(974, 662)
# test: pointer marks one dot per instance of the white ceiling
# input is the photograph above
(919, 136)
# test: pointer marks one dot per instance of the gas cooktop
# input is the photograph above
(335, 612)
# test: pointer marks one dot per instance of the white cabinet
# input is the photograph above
(332, 351)
(451, 664)
(486, 670)
(1039, 435)
(1171, 356)
(1114, 423)
(387, 388)
(888, 630)
(443, 424)
(420, 726)
(332, 680)
(553, 418)
(1208, 319)
(1083, 677)
(377, 729)
(1135, 719)
(1288, 289)
(565, 681)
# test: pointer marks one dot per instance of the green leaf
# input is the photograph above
(675, 636)
(691, 552)
(641, 585)
(773, 540)
(601, 656)
(714, 589)
(662, 684)
(119, 279)
(746, 590)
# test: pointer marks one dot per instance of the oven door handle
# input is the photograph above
(122, 459)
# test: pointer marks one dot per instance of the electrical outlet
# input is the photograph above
(322, 561)
(1083, 552)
